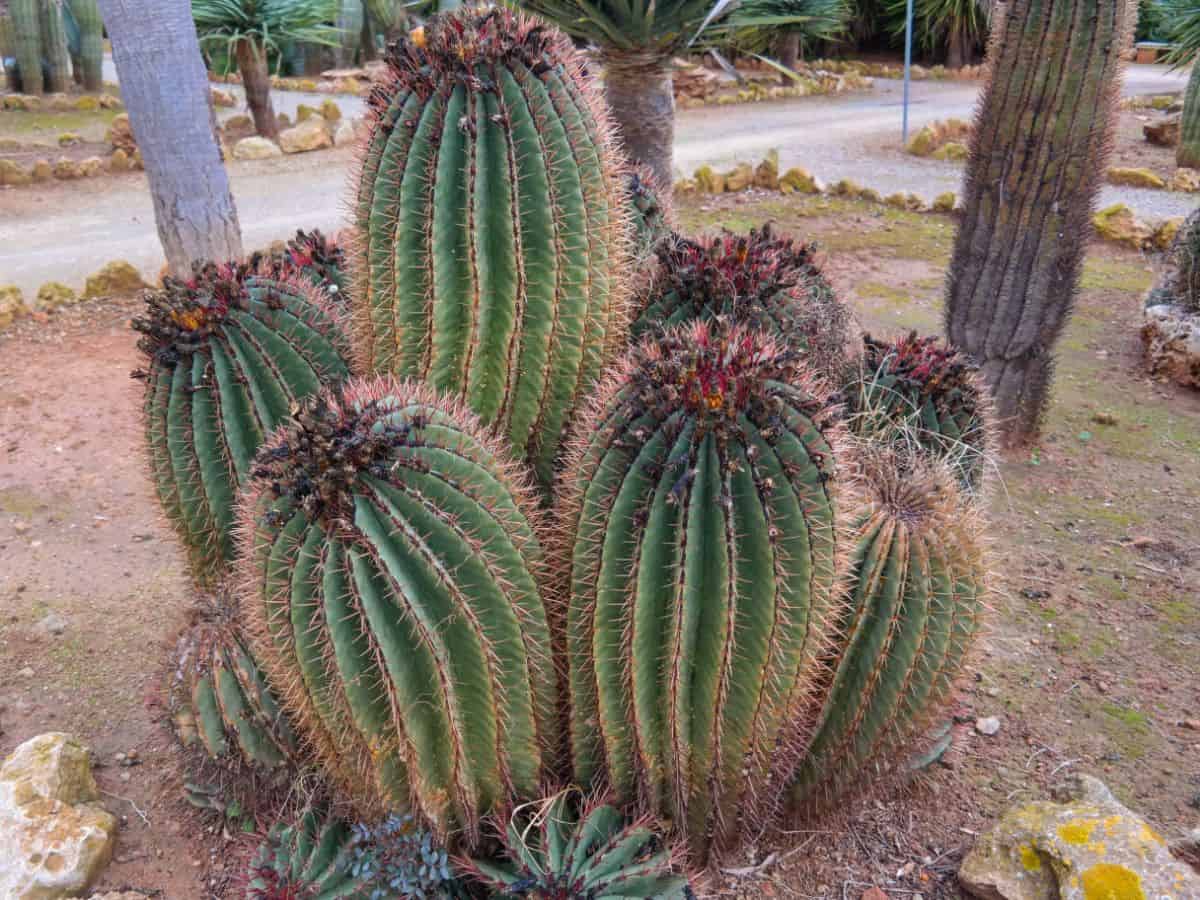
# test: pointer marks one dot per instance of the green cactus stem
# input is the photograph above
(918, 583)
(392, 586)
(649, 211)
(227, 356)
(54, 46)
(27, 43)
(762, 280)
(310, 858)
(700, 517)
(491, 220)
(91, 42)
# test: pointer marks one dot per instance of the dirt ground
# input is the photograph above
(1090, 660)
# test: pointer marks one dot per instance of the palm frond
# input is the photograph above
(1179, 24)
(754, 24)
(933, 20)
(267, 22)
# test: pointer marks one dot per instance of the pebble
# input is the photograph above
(51, 624)
(125, 776)
(26, 672)
(1192, 724)
(989, 725)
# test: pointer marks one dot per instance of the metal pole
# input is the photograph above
(907, 65)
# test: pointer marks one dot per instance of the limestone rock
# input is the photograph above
(108, 101)
(330, 111)
(870, 195)
(284, 120)
(1135, 178)
(238, 123)
(708, 181)
(944, 203)
(1171, 335)
(766, 174)
(1187, 180)
(951, 151)
(55, 294)
(117, 279)
(924, 142)
(42, 170)
(12, 305)
(55, 838)
(799, 181)
(1087, 846)
(905, 200)
(304, 112)
(222, 97)
(345, 133)
(1164, 132)
(1164, 234)
(91, 167)
(66, 170)
(87, 103)
(12, 173)
(739, 177)
(255, 148)
(119, 161)
(846, 187)
(309, 134)
(120, 134)
(59, 102)
(1118, 223)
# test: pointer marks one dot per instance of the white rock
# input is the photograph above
(256, 148)
(54, 837)
(989, 725)
(51, 624)
(1171, 335)
(346, 133)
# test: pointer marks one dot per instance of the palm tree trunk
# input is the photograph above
(252, 63)
(787, 53)
(1188, 153)
(165, 88)
(1035, 169)
(638, 88)
(956, 52)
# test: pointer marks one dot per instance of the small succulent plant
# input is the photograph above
(399, 858)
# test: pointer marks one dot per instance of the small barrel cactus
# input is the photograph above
(919, 393)
(227, 356)
(649, 210)
(918, 574)
(309, 257)
(701, 525)
(311, 858)
(760, 280)
(491, 221)
(555, 850)
(392, 588)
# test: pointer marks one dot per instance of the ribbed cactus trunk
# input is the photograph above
(91, 43)
(1187, 155)
(638, 87)
(1038, 152)
(8, 48)
(27, 41)
(700, 527)
(350, 21)
(491, 223)
(54, 47)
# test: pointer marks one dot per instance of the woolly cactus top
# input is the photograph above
(917, 492)
(181, 316)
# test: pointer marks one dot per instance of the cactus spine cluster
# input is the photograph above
(649, 211)
(392, 585)
(227, 356)
(310, 257)
(491, 223)
(701, 514)
(917, 572)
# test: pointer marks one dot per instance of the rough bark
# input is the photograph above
(1188, 153)
(638, 88)
(27, 40)
(787, 53)
(956, 51)
(165, 88)
(54, 47)
(252, 63)
(1041, 138)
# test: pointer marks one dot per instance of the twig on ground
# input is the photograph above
(141, 814)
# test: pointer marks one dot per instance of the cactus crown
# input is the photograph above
(181, 316)
(309, 255)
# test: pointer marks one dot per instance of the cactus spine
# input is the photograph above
(391, 585)
(491, 225)
(54, 46)
(917, 572)
(701, 519)
(27, 41)
(227, 356)
(91, 42)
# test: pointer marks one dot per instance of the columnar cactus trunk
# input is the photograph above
(91, 43)
(227, 355)
(350, 20)
(918, 577)
(1187, 154)
(700, 521)
(54, 46)
(27, 40)
(391, 582)
(1038, 151)
(490, 217)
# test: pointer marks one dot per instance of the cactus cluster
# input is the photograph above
(761, 279)
(40, 35)
(310, 858)
(491, 223)
(309, 257)
(649, 211)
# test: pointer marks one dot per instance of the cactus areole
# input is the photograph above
(390, 586)
(700, 513)
(492, 225)
(228, 354)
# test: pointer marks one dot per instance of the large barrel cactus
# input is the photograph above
(227, 356)
(490, 214)
(701, 515)
(760, 279)
(918, 574)
(392, 585)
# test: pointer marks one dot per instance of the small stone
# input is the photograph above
(91, 167)
(42, 170)
(68, 139)
(238, 123)
(345, 133)
(1185, 180)
(51, 624)
(27, 672)
(87, 104)
(108, 101)
(799, 181)
(12, 305)
(116, 279)
(1192, 724)
(221, 97)
(119, 161)
(256, 148)
(120, 134)
(989, 725)
(125, 776)
(330, 111)
(12, 173)
(1163, 133)
(1143, 178)
(310, 134)
(66, 170)
(54, 295)
(739, 178)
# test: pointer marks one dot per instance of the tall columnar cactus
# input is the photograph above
(227, 356)
(490, 213)
(700, 517)
(649, 210)
(762, 280)
(392, 584)
(917, 393)
(27, 41)
(918, 582)
(91, 42)
(350, 22)
(54, 46)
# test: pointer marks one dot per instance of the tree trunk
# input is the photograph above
(54, 47)
(27, 40)
(350, 20)
(1036, 165)
(91, 43)
(1188, 154)
(368, 39)
(252, 63)
(787, 53)
(638, 88)
(956, 52)
(165, 88)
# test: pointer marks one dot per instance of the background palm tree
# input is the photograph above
(247, 30)
(958, 25)
(805, 23)
(1178, 21)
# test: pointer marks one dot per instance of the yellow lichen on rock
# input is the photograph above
(1105, 881)
(117, 279)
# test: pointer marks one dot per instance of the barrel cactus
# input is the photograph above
(918, 582)
(565, 849)
(649, 210)
(700, 513)
(310, 858)
(392, 586)
(760, 279)
(312, 258)
(919, 393)
(490, 217)
(227, 355)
